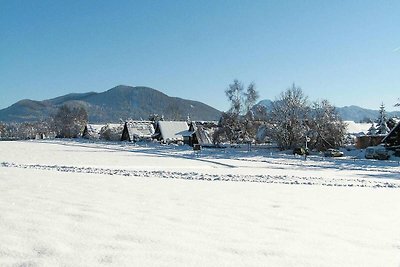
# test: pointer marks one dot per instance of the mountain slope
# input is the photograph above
(348, 113)
(120, 102)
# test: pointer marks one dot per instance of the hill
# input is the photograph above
(348, 113)
(120, 102)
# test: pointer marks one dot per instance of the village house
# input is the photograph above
(200, 133)
(392, 140)
(92, 131)
(137, 130)
(171, 131)
(371, 138)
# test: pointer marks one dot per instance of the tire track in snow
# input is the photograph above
(273, 179)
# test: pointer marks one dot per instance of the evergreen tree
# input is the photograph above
(382, 127)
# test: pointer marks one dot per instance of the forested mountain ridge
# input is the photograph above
(120, 102)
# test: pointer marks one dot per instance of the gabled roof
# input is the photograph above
(138, 129)
(204, 136)
(172, 130)
(94, 127)
(204, 131)
(392, 133)
(92, 130)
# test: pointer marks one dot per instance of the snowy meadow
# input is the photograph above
(76, 203)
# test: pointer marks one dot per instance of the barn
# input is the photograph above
(392, 139)
(137, 130)
(201, 133)
(92, 131)
(171, 131)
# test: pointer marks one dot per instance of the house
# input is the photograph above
(392, 139)
(171, 131)
(365, 141)
(200, 133)
(371, 138)
(137, 130)
(92, 131)
(356, 132)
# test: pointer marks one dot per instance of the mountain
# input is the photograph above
(348, 113)
(120, 102)
(355, 113)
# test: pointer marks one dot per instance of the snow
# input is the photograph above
(172, 130)
(68, 203)
(357, 127)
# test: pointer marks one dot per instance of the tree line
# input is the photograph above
(68, 122)
(291, 121)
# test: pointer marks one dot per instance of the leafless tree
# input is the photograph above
(288, 118)
(237, 123)
(70, 121)
(326, 128)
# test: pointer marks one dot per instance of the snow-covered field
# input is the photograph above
(69, 203)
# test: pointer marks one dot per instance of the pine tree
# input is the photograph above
(382, 127)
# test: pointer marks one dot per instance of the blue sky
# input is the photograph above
(345, 51)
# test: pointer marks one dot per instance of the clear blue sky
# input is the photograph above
(345, 51)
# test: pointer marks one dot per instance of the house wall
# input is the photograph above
(368, 140)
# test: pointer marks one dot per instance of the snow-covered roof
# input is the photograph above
(94, 127)
(357, 128)
(172, 130)
(92, 130)
(204, 136)
(140, 129)
(204, 131)
(392, 132)
(115, 125)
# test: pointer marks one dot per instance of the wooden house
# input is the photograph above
(365, 141)
(171, 131)
(392, 139)
(200, 133)
(137, 130)
(92, 131)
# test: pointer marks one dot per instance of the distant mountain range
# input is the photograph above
(348, 113)
(120, 102)
(124, 102)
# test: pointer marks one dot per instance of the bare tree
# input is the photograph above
(326, 128)
(2, 130)
(237, 123)
(235, 95)
(288, 118)
(251, 97)
(70, 121)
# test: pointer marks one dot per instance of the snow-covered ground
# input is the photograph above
(69, 203)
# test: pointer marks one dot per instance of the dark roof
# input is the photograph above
(393, 134)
